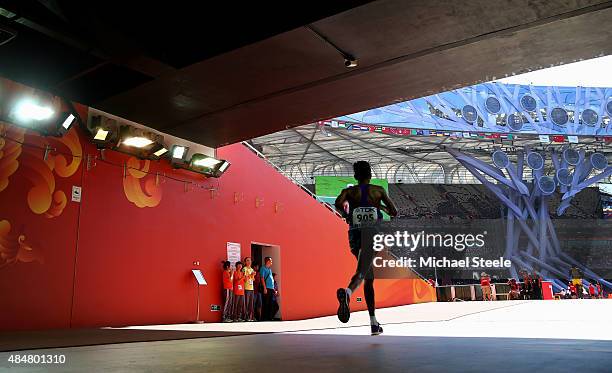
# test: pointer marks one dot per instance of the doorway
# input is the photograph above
(261, 250)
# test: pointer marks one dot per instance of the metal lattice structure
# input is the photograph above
(502, 108)
(307, 151)
(527, 203)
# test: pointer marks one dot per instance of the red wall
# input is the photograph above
(132, 264)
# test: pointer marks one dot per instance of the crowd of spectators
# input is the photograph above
(250, 292)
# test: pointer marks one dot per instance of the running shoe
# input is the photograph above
(377, 329)
(344, 312)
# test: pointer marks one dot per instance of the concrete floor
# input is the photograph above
(438, 337)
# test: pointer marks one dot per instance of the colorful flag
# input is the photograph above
(558, 138)
(544, 139)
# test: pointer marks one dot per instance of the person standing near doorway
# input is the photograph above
(249, 296)
(239, 281)
(267, 282)
(228, 291)
(361, 206)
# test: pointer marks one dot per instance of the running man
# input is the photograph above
(361, 204)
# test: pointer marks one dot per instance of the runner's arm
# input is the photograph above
(341, 203)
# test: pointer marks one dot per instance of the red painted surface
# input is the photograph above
(107, 262)
(547, 291)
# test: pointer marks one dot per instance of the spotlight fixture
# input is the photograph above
(547, 185)
(64, 123)
(140, 143)
(208, 166)
(103, 131)
(179, 154)
(101, 134)
(131, 137)
(158, 151)
(137, 142)
(27, 111)
(350, 62)
(203, 162)
(224, 166)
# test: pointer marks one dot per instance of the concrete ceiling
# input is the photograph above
(405, 49)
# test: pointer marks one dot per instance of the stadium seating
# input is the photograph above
(474, 201)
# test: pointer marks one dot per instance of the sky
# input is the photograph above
(596, 72)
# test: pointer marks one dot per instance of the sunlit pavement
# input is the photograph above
(520, 336)
(565, 319)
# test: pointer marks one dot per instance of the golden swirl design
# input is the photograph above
(14, 249)
(152, 194)
(42, 198)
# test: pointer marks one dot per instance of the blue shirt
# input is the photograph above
(266, 274)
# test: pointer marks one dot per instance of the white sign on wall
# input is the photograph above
(76, 193)
(233, 252)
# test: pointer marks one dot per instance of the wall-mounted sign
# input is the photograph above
(76, 193)
(233, 252)
(215, 307)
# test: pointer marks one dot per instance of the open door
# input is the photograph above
(258, 252)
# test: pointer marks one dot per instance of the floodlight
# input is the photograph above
(500, 159)
(137, 142)
(101, 134)
(27, 111)
(179, 154)
(158, 151)
(547, 185)
(103, 131)
(535, 161)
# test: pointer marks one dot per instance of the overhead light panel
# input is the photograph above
(27, 111)
(179, 152)
(137, 142)
(64, 123)
(68, 122)
(140, 142)
(207, 165)
(207, 162)
(158, 151)
(101, 134)
(103, 131)
(224, 166)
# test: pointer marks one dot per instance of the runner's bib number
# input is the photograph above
(364, 215)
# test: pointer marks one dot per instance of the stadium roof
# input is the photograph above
(406, 141)
(315, 149)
